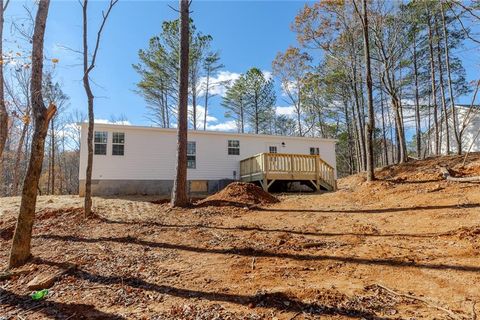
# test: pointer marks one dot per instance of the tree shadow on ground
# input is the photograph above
(387, 210)
(259, 229)
(277, 300)
(53, 309)
(252, 252)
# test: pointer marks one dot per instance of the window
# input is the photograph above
(118, 144)
(272, 149)
(100, 141)
(191, 155)
(234, 147)
(315, 151)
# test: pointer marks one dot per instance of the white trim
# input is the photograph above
(222, 133)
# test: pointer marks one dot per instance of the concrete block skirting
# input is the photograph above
(151, 187)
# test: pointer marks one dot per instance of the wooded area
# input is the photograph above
(382, 77)
(416, 79)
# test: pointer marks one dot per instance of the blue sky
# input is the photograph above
(247, 33)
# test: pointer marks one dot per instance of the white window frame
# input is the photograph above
(314, 151)
(121, 143)
(103, 141)
(272, 149)
(190, 154)
(231, 147)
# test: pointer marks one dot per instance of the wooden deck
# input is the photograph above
(267, 168)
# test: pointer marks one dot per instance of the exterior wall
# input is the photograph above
(469, 136)
(150, 156)
(196, 188)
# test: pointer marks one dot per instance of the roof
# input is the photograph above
(467, 105)
(208, 132)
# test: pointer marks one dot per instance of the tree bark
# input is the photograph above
(434, 87)
(20, 251)
(442, 89)
(194, 99)
(52, 142)
(384, 134)
(87, 68)
(418, 129)
(370, 126)
(206, 101)
(91, 116)
(3, 108)
(18, 158)
(458, 136)
(179, 192)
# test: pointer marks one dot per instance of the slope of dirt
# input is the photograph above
(239, 194)
(404, 247)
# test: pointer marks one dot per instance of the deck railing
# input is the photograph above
(282, 166)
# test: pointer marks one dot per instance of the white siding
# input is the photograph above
(470, 135)
(150, 153)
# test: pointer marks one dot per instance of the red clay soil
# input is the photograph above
(239, 194)
(404, 247)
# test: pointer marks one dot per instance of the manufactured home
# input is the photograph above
(467, 121)
(141, 160)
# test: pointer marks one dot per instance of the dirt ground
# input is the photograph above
(404, 247)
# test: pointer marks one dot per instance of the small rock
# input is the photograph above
(44, 280)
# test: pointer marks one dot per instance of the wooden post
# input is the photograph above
(265, 171)
(317, 171)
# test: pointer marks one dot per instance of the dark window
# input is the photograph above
(315, 151)
(191, 155)
(100, 140)
(118, 149)
(101, 149)
(272, 149)
(234, 147)
(118, 143)
(118, 137)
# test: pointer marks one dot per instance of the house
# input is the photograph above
(141, 160)
(468, 118)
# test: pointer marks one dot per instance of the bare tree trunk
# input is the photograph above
(370, 126)
(20, 251)
(194, 99)
(418, 129)
(3, 108)
(179, 192)
(349, 138)
(52, 142)
(434, 87)
(384, 134)
(206, 102)
(18, 158)
(87, 68)
(458, 136)
(359, 127)
(402, 152)
(442, 89)
(91, 116)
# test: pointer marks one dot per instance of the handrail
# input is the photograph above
(289, 166)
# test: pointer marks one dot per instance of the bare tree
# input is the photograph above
(3, 107)
(179, 192)
(20, 251)
(370, 126)
(88, 66)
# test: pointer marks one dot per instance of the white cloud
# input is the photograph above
(201, 114)
(286, 111)
(229, 125)
(221, 80)
(290, 86)
(120, 122)
(267, 74)
(218, 83)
